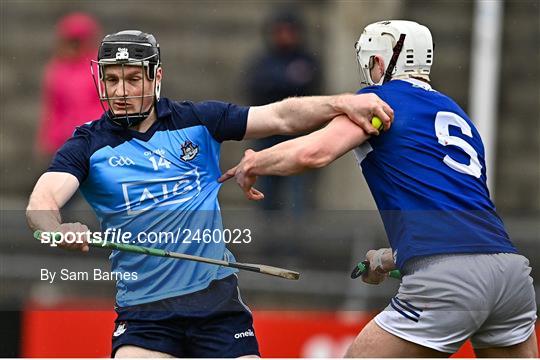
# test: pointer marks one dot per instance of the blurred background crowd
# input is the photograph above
(252, 53)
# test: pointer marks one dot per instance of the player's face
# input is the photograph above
(128, 88)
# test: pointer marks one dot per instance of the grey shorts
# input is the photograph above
(444, 300)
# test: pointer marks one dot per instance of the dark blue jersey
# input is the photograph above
(427, 175)
(159, 183)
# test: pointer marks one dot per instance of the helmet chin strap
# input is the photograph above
(127, 120)
(393, 61)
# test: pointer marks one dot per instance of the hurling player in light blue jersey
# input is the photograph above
(150, 166)
(463, 278)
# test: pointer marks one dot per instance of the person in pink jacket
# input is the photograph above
(68, 92)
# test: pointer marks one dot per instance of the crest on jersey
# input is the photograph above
(189, 151)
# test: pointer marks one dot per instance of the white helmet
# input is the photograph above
(406, 47)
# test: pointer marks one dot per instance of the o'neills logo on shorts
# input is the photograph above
(244, 334)
(122, 327)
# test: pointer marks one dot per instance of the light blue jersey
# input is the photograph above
(427, 175)
(159, 183)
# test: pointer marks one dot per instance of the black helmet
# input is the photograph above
(128, 48)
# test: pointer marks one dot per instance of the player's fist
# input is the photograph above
(381, 262)
(362, 108)
(73, 236)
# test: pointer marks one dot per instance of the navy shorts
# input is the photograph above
(210, 323)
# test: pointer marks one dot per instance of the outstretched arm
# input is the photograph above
(312, 151)
(305, 114)
(51, 192)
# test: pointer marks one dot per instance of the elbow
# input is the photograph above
(36, 199)
(39, 201)
(30, 211)
(314, 158)
(32, 206)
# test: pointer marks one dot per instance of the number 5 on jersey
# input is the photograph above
(443, 120)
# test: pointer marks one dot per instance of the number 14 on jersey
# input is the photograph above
(162, 162)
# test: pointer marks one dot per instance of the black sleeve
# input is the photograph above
(224, 121)
(73, 156)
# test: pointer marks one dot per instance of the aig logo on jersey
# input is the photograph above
(189, 151)
(140, 196)
(115, 161)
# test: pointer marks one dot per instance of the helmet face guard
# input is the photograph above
(366, 48)
(133, 49)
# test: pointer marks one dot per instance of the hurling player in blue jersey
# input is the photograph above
(150, 166)
(463, 278)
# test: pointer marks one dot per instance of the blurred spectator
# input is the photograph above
(69, 96)
(285, 69)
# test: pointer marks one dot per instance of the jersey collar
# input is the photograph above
(422, 84)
